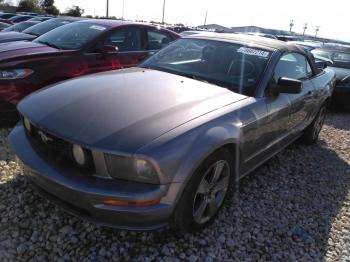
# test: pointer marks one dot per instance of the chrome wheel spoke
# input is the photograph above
(222, 184)
(203, 187)
(198, 214)
(218, 171)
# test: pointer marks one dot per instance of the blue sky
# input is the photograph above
(331, 16)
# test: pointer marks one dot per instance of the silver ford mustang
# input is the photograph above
(162, 143)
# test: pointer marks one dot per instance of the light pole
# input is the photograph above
(107, 11)
(317, 30)
(163, 11)
(291, 25)
(205, 19)
(123, 10)
(305, 27)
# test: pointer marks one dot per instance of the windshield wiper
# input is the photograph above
(49, 44)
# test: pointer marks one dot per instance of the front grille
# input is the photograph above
(55, 149)
(50, 144)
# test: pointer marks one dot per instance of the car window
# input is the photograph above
(46, 26)
(126, 39)
(229, 65)
(157, 39)
(292, 65)
(72, 36)
(19, 27)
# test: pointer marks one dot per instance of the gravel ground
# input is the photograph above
(295, 207)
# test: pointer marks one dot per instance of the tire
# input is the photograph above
(201, 199)
(312, 132)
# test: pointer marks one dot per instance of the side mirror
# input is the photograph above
(289, 85)
(109, 49)
(323, 64)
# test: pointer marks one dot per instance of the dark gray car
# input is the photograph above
(340, 58)
(162, 143)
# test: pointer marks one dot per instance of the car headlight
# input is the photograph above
(132, 169)
(11, 74)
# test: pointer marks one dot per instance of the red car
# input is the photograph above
(75, 49)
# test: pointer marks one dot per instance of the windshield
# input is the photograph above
(19, 27)
(73, 36)
(340, 58)
(45, 27)
(233, 66)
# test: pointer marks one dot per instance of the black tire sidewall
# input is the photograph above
(183, 215)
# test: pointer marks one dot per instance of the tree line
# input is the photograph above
(43, 7)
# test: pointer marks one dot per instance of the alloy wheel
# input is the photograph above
(211, 192)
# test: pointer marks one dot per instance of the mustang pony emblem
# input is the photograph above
(44, 137)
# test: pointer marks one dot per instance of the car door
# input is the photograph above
(296, 66)
(129, 50)
(286, 113)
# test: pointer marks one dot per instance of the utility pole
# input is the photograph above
(163, 11)
(305, 27)
(107, 11)
(317, 30)
(205, 19)
(291, 25)
(123, 9)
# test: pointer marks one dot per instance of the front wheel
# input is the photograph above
(312, 132)
(205, 193)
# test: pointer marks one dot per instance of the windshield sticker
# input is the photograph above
(97, 27)
(251, 51)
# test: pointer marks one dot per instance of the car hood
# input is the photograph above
(120, 111)
(340, 73)
(12, 50)
(15, 36)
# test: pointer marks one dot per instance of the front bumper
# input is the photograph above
(83, 195)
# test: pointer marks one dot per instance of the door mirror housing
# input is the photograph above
(289, 85)
(323, 64)
(110, 49)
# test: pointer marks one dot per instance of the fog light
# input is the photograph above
(79, 155)
(27, 124)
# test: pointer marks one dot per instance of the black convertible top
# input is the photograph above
(267, 43)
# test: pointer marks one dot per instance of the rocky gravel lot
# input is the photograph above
(295, 207)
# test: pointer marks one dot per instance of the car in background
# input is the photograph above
(40, 18)
(20, 26)
(263, 35)
(308, 45)
(163, 143)
(191, 32)
(5, 21)
(341, 66)
(72, 50)
(321, 62)
(7, 16)
(19, 18)
(4, 25)
(37, 30)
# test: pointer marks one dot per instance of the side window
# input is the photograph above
(126, 39)
(293, 65)
(157, 39)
